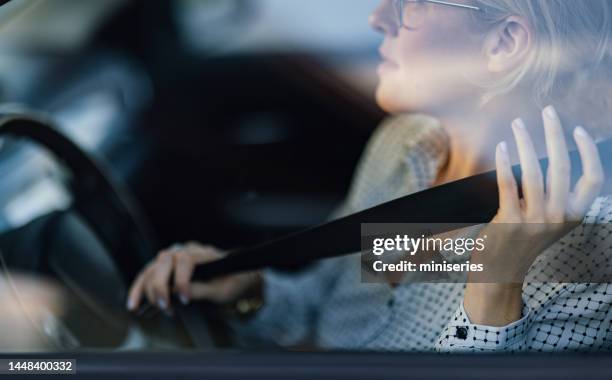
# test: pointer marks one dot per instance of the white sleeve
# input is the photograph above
(461, 335)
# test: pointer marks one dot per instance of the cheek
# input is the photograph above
(434, 67)
(411, 84)
(430, 63)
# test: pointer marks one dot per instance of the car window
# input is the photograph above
(468, 142)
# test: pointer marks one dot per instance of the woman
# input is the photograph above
(476, 66)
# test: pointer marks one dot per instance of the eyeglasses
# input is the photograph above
(410, 13)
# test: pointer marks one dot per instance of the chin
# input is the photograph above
(395, 97)
(389, 100)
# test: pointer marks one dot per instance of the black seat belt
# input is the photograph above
(470, 201)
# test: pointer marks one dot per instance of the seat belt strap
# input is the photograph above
(470, 201)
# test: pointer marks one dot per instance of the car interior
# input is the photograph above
(261, 136)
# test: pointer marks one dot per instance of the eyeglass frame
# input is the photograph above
(400, 5)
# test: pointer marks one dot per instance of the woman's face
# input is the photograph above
(432, 65)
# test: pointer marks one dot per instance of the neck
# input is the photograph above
(474, 134)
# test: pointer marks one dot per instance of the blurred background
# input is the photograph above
(232, 121)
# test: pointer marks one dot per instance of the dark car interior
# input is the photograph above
(221, 136)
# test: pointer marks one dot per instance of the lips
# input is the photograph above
(386, 61)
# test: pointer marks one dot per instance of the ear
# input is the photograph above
(508, 44)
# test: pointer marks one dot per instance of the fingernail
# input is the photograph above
(162, 304)
(581, 132)
(130, 305)
(518, 124)
(184, 299)
(550, 112)
(503, 147)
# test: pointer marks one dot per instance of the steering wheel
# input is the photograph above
(117, 237)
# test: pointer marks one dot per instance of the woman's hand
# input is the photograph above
(524, 228)
(179, 262)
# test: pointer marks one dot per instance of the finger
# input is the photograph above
(533, 182)
(184, 266)
(160, 279)
(149, 290)
(589, 185)
(508, 192)
(135, 293)
(559, 167)
(203, 254)
(207, 291)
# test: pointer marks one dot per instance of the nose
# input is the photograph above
(383, 19)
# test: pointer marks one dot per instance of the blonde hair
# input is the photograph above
(571, 43)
